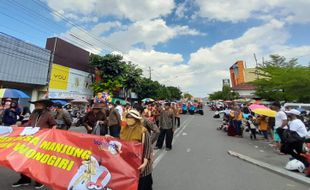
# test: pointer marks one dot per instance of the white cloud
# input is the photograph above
(166, 66)
(206, 68)
(101, 28)
(233, 10)
(180, 10)
(294, 11)
(132, 10)
(147, 33)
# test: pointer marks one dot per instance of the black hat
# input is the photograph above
(58, 105)
(276, 104)
(46, 102)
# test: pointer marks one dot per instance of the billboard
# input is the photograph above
(59, 77)
(226, 82)
(68, 83)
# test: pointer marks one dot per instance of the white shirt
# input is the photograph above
(280, 116)
(227, 111)
(252, 126)
(119, 109)
(298, 126)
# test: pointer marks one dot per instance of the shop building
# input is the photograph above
(240, 77)
(71, 72)
(23, 66)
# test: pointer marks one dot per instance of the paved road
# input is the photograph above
(199, 161)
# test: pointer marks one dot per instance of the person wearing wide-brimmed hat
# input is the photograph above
(93, 117)
(40, 117)
(62, 117)
(135, 131)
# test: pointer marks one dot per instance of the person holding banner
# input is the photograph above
(40, 117)
(135, 131)
(93, 117)
(114, 122)
(62, 117)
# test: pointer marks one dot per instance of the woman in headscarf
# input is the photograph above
(135, 131)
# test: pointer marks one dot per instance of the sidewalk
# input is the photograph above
(259, 150)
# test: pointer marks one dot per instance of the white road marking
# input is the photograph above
(163, 153)
(188, 150)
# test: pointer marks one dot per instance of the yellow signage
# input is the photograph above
(59, 77)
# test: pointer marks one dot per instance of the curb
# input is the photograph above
(277, 170)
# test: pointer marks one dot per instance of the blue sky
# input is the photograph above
(189, 44)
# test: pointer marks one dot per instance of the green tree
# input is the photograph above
(283, 80)
(163, 93)
(147, 89)
(218, 95)
(116, 74)
(131, 78)
(225, 94)
(111, 68)
(187, 95)
(175, 93)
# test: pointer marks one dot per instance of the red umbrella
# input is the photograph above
(257, 106)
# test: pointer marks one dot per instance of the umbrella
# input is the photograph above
(266, 112)
(257, 106)
(12, 93)
(266, 102)
(62, 102)
(123, 102)
(79, 101)
(148, 100)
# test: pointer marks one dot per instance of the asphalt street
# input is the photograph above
(199, 161)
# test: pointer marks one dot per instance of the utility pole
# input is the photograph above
(256, 71)
(255, 59)
(263, 60)
(150, 73)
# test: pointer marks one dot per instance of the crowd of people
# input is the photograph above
(192, 108)
(151, 123)
(287, 132)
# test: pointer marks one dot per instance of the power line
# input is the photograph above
(33, 26)
(22, 50)
(61, 16)
(39, 17)
(30, 12)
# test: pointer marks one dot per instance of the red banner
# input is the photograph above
(66, 160)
